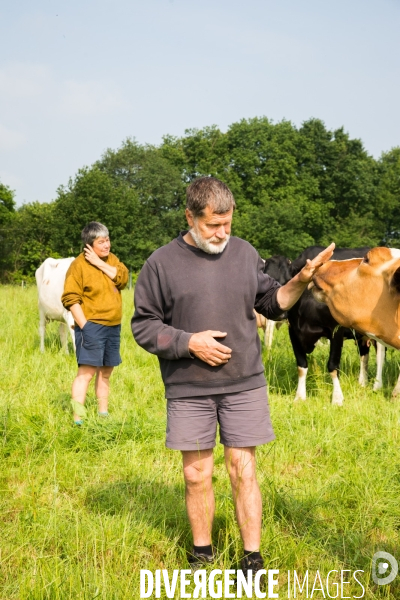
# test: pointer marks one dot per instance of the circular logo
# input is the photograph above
(381, 562)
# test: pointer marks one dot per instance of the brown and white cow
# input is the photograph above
(364, 294)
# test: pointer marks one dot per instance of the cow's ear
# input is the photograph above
(395, 281)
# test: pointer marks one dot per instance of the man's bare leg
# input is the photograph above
(241, 466)
(197, 471)
(102, 387)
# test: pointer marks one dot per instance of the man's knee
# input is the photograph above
(197, 468)
(241, 464)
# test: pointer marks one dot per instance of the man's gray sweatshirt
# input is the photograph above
(182, 290)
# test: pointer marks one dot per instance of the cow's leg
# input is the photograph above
(69, 319)
(337, 394)
(72, 332)
(269, 333)
(396, 391)
(363, 376)
(302, 365)
(380, 361)
(363, 348)
(64, 336)
(42, 328)
(335, 354)
(301, 392)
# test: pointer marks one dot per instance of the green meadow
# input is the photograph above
(84, 509)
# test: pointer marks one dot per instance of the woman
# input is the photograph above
(92, 292)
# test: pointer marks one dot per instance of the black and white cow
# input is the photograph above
(309, 321)
(278, 269)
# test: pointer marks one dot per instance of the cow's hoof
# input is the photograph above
(377, 386)
(297, 398)
(337, 401)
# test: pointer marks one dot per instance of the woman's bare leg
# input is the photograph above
(102, 387)
(80, 385)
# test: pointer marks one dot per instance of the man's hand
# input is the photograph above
(91, 256)
(204, 346)
(307, 272)
(289, 293)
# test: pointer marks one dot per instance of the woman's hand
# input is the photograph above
(96, 261)
(91, 256)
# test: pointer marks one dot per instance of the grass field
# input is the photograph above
(84, 509)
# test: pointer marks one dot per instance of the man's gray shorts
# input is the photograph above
(243, 418)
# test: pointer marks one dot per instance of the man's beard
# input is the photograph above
(211, 246)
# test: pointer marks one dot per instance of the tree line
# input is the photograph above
(293, 187)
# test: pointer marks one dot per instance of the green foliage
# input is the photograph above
(30, 234)
(387, 210)
(7, 202)
(294, 187)
(7, 212)
(135, 191)
(92, 196)
(346, 181)
(160, 194)
(278, 207)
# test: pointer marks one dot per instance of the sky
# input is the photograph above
(80, 76)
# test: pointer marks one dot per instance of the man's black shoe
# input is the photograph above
(198, 560)
(250, 562)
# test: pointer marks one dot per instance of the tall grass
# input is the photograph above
(84, 509)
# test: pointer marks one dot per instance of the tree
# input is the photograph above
(294, 187)
(387, 213)
(134, 191)
(32, 232)
(7, 213)
(279, 209)
(346, 183)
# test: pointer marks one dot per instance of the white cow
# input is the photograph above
(50, 277)
(268, 327)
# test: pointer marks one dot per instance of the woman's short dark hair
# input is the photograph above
(209, 191)
(92, 231)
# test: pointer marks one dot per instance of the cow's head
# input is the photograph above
(363, 293)
(278, 267)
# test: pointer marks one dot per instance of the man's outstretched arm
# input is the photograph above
(289, 293)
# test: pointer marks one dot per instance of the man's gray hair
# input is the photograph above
(92, 231)
(209, 191)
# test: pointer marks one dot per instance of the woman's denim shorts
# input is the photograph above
(98, 345)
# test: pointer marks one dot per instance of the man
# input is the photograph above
(194, 302)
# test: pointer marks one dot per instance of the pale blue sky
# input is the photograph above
(79, 76)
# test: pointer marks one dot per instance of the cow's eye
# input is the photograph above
(365, 260)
